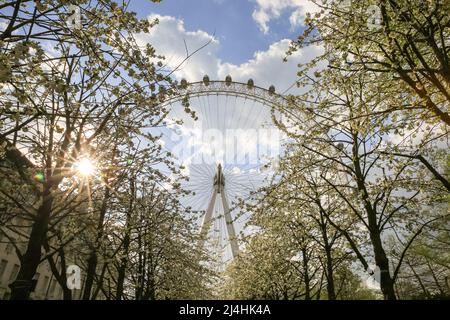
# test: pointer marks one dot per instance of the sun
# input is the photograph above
(85, 167)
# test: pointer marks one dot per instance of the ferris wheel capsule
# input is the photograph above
(184, 83)
(228, 80)
(272, 89)
(206, 80)
(250, 83)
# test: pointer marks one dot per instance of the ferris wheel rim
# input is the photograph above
(224, 88)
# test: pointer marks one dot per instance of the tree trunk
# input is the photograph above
(381, 260)
(306, 275)
(90, 273)
(329, 258)
(60, 275)
(67, 294)
(21, 287)
(100, 283)
(122, 268)
(126, 244)
(93, 260)
(330, 276)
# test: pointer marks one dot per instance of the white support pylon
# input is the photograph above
(219, 188)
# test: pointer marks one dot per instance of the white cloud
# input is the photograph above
(268, 10)
(169, 38)
(296, 19)
(265, 68)
(422, 134)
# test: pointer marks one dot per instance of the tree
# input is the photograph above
(426, 271)
(342, 141)
(94, 89)
(402, 42)
(160, 245)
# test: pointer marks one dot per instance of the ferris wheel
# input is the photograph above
(223, 134)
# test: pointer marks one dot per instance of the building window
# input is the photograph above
(9, 248)
(3, 265)
(14, 272)
(45, 285)
(36, 279)
(51, 291)
(7, 295)
(22, 246)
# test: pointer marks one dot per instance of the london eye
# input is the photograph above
(223, 134)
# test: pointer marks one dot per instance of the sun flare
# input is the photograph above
(85, 167)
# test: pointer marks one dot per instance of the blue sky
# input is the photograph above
(251, 38)
(230, 20)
